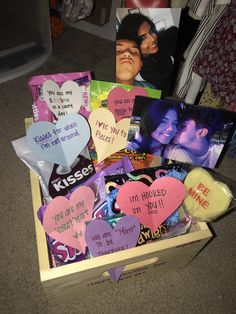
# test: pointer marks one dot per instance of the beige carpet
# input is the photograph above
(207, 285)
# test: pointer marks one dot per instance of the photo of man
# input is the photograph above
(128, 62)
(201, 137)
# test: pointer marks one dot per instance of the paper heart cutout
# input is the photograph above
(121, 102)
(206, 198)
(102, 239)
(109, 137)
(62, 100)
(64, 220)
(154, 204)
(60, 143)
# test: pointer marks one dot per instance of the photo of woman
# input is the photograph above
(156, 41)
(155, 128)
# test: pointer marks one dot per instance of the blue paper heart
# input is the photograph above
(59, 143)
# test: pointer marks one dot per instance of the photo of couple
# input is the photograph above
(145, 47)
(178, 131)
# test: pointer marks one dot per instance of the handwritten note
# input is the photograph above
(101, 239)
(154, 204)
(64, 220)
(121, 102)
(62, 100)
(109, 137)
(60, 143)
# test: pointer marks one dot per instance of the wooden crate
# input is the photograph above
(67, 282)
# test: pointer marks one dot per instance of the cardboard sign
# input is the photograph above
(121, 102)
(102, 239)
(62, 100)
(154, 204)
(64, 220)
(109, 137)
(60, 143)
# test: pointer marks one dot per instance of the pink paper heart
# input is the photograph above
(121, 102)
(64, 220)
(102, 239)
(154, 204)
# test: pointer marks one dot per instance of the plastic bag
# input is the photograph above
(75, 10)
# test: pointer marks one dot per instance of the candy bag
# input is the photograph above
(55, 180)
(41, 111)
(97, 183)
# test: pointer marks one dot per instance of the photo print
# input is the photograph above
(178, 131)
(145, 47)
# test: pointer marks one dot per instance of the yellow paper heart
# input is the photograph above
(206, 198)
(109, 137)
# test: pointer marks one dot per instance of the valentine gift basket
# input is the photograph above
(111, 206)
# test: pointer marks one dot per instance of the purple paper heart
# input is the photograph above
(102, 239)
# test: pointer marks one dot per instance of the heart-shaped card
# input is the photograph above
(151, 204)
(121, 102)
(60, 143)
(64, 220)
(109, 137)
(102, 239)
(62, 100)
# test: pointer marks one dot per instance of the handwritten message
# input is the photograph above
(62, 100)
(101, 239)
(64, 220)
(153, 200)
(60, 143)
(154, 204)
(104, 128)
(121, 102)
(108, 136)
